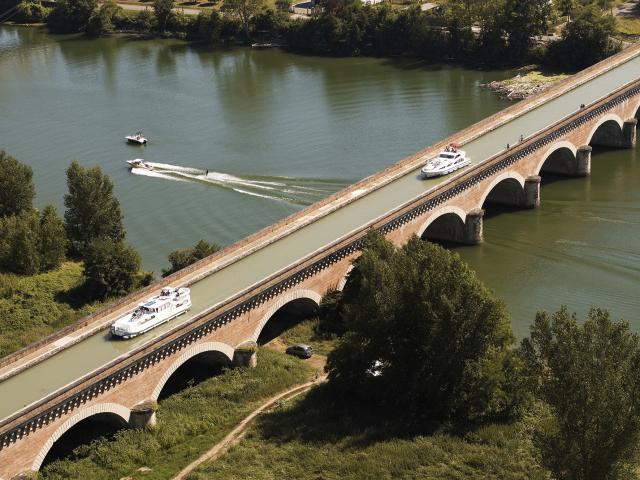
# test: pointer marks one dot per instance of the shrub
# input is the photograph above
(31, 12)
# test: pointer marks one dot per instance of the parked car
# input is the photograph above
(300, 350)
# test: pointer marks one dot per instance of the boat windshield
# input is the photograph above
(447, 155)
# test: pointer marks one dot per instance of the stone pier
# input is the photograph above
(473, 227)
(531, 192)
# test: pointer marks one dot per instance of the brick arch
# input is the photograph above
(439, 213)
(191, 352)
(281, 302)
(499, 179)
(114, 408)
(553, 149)
(343, 280)
(636, 111)
(610, 117)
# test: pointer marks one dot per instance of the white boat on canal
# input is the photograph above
(136, 138)
(157, 310)
(448, 160)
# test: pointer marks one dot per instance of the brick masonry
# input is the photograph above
(26, 438)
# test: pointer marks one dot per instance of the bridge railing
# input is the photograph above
(132, 362)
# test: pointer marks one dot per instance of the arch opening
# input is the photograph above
(561, 162)
(446, 229)
(202, 362)
(98, 427)
(608, 134)
(506, 193)
(286, 317)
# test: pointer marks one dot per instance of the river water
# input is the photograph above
(242, 138)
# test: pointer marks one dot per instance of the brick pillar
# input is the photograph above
(532, 192)
(629, 133)
(245, 356)
(143, 415)
(473, 227)
(583, 161)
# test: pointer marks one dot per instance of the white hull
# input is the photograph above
(160, 309)
(429, 173)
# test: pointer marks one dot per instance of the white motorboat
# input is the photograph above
(449, 160)
(139, 163)
(157, 310)
(136, 138)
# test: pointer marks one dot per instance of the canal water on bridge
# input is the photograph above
(242, 138)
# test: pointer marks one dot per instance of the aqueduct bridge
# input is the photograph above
(77, 373)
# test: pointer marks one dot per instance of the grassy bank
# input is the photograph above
(309, 438)
(189, 423)
(32, 307)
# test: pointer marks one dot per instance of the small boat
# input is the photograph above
(139, 163)
(136, 138)
(448, 160)
(157, 310)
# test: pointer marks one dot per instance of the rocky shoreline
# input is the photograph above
(528, 82)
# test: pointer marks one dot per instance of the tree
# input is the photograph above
(424, 336)
(184, 257)
(92, 210)
(52, 239)
(30, 12)
(16, 187)
(284, 5)
(244, 10)
(163, 10)
(111, 267)
(102, 19)
(588, 375)
(145, 21)
(523, 20)
(585, 40)
(209, 26)
(71, 15)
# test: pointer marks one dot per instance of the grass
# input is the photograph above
(32, 307)
(309, 438)
(628, 26)
(189, 423)
(307, 332)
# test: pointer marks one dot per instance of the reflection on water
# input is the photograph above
(294, 129)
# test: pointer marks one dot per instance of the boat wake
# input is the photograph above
(299, 191)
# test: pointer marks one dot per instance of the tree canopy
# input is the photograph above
(243, 10)
(184, 257)
(111, 267)
(16, 186)
(588, 375)
(92, 210)
(423, 336)
(71, 15)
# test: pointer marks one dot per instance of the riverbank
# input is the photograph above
(529, 82)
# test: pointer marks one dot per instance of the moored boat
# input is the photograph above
(170, 303)
(448, 160)
(136, 138)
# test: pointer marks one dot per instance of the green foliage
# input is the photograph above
(523, 20)
(102, 20)
(313, 438)
(284, 5)
(145, 21)
(308, 331)
(585, 41)
(424, 336)
(244, 11)
(189, 423)
(23, 251)
(52, 239)
(92, 210)
(184, 257)
(331, 314)
(209, 26)
(31, 12)
(588, 375)
(70, 16)
(111, 268)
(163, 10)
(16, 187)
(33, 307)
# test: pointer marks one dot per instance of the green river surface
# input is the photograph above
(278, 131)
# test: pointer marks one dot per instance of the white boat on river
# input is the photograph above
(157, 310)
(449, 160)
(137, 138)
(139, 163)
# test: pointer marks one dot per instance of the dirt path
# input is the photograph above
(237, 433)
